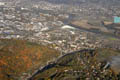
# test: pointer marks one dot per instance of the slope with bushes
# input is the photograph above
(21, 58)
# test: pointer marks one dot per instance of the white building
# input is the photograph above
(2, 3)
(67, 27)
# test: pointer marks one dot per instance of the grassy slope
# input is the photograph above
(19, 56)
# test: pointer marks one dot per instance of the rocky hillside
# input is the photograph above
(19, 58)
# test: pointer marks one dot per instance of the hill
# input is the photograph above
(20, 58)
(96, 64)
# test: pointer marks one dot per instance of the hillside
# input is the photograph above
(19, 58)
(84, 65)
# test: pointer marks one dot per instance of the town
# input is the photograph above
(47, 25)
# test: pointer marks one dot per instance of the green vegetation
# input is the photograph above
(113, 39)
